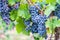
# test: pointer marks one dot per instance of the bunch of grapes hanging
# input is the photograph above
(38, 19)
(5, 8)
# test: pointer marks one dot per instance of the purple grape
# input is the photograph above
(5, 10)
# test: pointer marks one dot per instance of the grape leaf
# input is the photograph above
(58, 23)
(13, 14)
(23, 7)
(34, 1)
(24, 11)
(25, 32)
(58, 1)
(20, 26)
(49, 9)
(52, 2)
(11, 2)
(17, 0)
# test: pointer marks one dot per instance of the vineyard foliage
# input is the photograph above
(22, 13)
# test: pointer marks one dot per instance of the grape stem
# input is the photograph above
(31, 3)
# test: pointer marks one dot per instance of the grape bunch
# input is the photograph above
(57, 11)
(38, 21)
(34, 17)
(34, 13)
(4, 11)
(5, 8)
(41, 25)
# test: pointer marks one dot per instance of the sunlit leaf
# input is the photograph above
(52, 2)
(58, 23)
(58, 1)
(24, 11)
(49, 9)
(20, 25)
(13, 14)
(11, 2)
(34, 1)
(25, 32)
(17, 0)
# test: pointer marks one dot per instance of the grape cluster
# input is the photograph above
(38, 21)
(5, 9)
(41, 25)
(57, 11)
(34, 13)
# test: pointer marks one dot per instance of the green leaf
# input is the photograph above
(24, 14)
(58, 1)
(24, 11)
(20, 25)
(23, 7)
(52, 2)
(13, 14)
(34, 1)
(25, 32)
(17, 0)
(49, 9)
(23, 2)
(11, 2)
(58, 23)
(21, 13)
(52, 23)
(10, 26)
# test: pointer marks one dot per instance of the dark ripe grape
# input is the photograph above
(0, 6)
(34, 28)
(42, 32)
(28, 28)
(7, 21)
(32, 8)
(38, 21)
(0, 9)
(34, 15)
(41, 25)
(27, 23)
(58, 6)
(42, 19)
(57, 11)
(5, 13)
(5, 9)
(35, 18)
